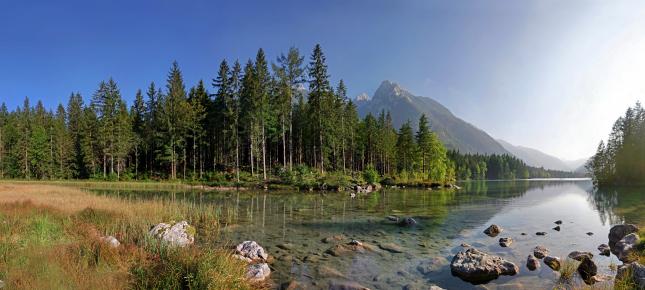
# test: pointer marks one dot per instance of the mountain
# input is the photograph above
(537, 158)
(453, 131)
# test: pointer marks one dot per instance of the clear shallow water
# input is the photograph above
(291, 226)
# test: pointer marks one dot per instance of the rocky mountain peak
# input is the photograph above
(389, 89)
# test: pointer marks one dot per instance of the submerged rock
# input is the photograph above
(580, 256)
(618, 232)
(111, 241)
(634, 272)
(346, 285)
(540, 252)
(552, 262)
(532, 263)
(505, 242)
(604, 250)
(493, 230)
(180, 234)
(258, 272)
(625, 248)
(251, 251)
(407, 222)
(340, 250)
(476, 266)
(333, 239)
(392, 218)
(391, 247)
(587, 269)
(432, 265)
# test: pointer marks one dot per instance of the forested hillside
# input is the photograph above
(254, 121)
(621, 160)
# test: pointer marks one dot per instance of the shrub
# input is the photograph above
(370, 175)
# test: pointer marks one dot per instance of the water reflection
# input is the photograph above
(447, 219)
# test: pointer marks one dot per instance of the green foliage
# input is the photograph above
(370, 175)
(621, 160)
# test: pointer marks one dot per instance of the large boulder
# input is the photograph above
(251, 251)
(258, 272)
(618, 232)
(540, 252)
(552, 262)
(493, 230)
(633, 272)
(625, 248)
(587, 269)
(476, 266)
(580, 256)
(180, 234)
(407, 222)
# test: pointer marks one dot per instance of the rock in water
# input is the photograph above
(332, 239)
(251, 251)
(541, 233)
(557, 228)
(558, 222)
(180, 234)
(540, 252)
(346, 285)
(626, 247)
(493, 230)
(408, 222)
(391, 247)
(589, 234)
(580, 256)
(505, 242)
(604, 250)
(258, 272)
(552, 262)
(618, 232)
(637, 272)
(532, 263)
(392, 218)
(587, 269)
(476, 266)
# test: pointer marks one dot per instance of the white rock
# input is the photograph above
(251, 250)
(111, 241)
(258, 272)
(180, 234)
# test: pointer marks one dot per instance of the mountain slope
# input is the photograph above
(453, 131)
(535, 158)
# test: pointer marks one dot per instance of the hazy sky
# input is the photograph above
(553, 75)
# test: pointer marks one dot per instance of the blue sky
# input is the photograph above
(552, 75)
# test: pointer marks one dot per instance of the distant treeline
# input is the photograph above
(481, 167)
(621, 160)
(261, 120)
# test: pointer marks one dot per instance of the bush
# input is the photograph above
(370, 175)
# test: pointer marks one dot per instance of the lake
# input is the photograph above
(292, 225)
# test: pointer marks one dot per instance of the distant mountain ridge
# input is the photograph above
(454, 132)
(537, 158)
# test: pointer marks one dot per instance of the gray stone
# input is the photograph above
(251, 251)
(258, 272)
(407, 222)
(540, 252)
(111, 241)
(505, 242)
(580, 256)
(180, 234)
(552, 262)
(333, 239)
(391, 247)
(587, 269)
(493, 230)
(618, 232)
(532, 263)
(434, 264)
(625, 248)
(604, 250)
(635, 270)
(476, 266)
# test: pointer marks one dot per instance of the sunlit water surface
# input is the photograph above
(299, 221)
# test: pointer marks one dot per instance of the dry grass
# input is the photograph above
(49, 239)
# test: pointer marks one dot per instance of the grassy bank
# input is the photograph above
(50, 239)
